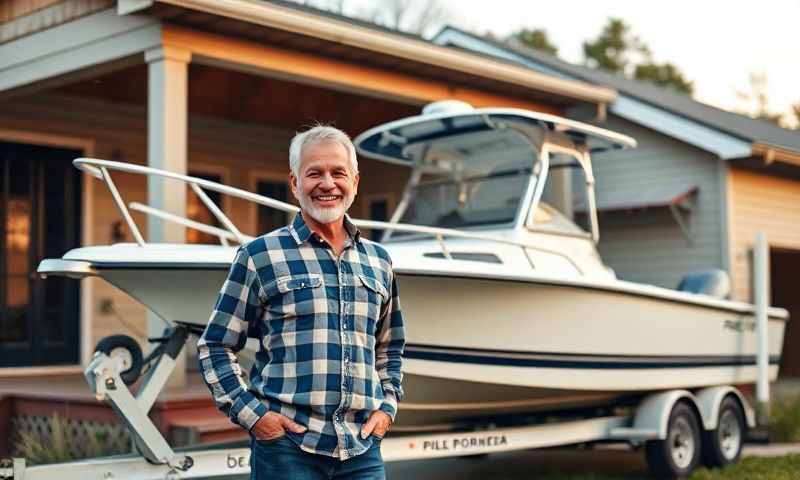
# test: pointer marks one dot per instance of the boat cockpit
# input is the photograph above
(493, 169)
(518, 174)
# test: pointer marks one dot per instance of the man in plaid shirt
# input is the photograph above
(323, 302)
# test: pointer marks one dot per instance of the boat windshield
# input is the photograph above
(471, 180)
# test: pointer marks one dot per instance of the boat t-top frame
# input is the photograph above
(409, 142)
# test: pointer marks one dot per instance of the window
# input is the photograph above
(197, 211)
(469, 256)
(471, 180)
(269, 219)
(39, 218)
(378, 210)
(562, 208)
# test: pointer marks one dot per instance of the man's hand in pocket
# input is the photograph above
(378, 424)
(274, 425)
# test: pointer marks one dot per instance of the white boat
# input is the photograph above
(508, 306)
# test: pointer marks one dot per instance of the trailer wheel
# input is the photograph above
(130, 351)
(678, 454)
(723, 445)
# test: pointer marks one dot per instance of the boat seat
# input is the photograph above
(714, 282)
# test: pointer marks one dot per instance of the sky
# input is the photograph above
(717, 44)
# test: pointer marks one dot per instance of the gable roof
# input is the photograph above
(740, 126)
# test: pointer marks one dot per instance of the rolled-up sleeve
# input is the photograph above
(237, 309)
(390, 342)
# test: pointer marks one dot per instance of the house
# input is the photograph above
(211, 89)
(695, 192)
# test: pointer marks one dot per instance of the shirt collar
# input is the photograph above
(301, 233)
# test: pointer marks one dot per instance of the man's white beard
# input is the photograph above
(323, 215)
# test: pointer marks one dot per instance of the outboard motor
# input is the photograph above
(714, 282)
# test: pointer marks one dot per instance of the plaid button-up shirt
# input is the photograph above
(331, 337)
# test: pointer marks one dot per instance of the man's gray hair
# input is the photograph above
(320, 134)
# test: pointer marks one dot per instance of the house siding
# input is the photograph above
(649, 246)
(236, 151)
(24, 17)
(760, 203)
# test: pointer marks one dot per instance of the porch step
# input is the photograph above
(203, 427)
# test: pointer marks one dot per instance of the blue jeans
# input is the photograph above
(282, 459)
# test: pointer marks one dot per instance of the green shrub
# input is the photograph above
(58, 447)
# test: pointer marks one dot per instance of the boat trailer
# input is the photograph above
(111, 371)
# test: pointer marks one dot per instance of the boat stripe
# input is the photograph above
(569, 360)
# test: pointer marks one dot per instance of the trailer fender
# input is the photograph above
(710, 399)
(653, 413)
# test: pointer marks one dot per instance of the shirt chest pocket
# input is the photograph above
(370, 297)
(297, 295)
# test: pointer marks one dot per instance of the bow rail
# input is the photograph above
(100, 169)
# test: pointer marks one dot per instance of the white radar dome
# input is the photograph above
(447, 106)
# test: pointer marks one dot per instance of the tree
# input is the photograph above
(796, 115)
(665, 74)
(756, 101)
(335, 6)
(536, 39)
(617, 50)
(419, 17)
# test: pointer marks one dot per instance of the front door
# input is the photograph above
(39, 218)
(784, 265)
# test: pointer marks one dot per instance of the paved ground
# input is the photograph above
(527, 465)
(772, 450)
(522, 465)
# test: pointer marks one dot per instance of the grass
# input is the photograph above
(775, 468)
(784, 424)
(752, 468)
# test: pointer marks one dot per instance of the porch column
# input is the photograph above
(167, 119)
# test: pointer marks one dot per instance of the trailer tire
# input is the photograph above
(677, 455)
(723, 445)
(129, 350)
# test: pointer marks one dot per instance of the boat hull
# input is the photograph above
(560, 346)
(483, 347)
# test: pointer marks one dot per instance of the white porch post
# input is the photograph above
(167, 118)
(167, 137)
(761, 297)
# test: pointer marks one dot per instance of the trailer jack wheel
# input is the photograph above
(723, 445)
(130, 351)
(678, 454)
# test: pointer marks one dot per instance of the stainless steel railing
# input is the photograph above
(100, 169)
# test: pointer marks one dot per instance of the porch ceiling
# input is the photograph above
(251, 99)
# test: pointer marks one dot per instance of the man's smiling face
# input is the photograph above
(326, 185)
